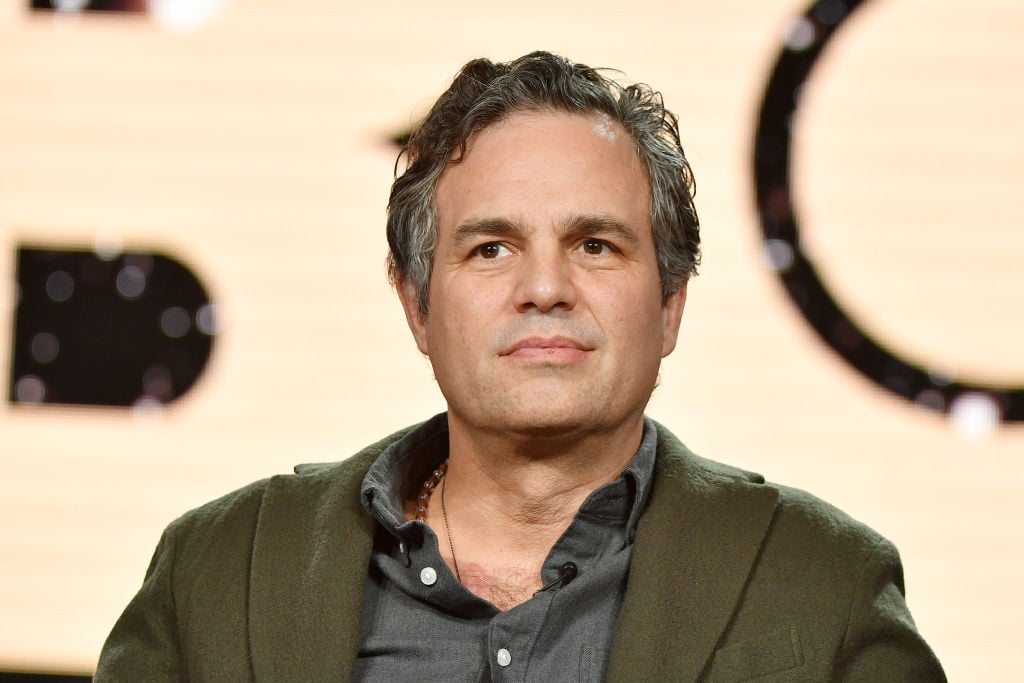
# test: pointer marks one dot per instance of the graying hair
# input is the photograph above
(484, 93)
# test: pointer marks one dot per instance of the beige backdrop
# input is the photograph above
(254, 148)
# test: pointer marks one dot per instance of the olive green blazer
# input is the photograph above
(731, 579)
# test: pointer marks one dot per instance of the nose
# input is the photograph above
(545, 281)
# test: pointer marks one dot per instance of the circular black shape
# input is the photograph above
(772, 158)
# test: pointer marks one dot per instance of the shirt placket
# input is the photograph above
(510, 639)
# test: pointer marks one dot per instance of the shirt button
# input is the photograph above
(504, 658)
(428, 576)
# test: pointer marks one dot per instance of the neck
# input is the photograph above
(523, 490)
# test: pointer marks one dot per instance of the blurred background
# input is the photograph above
(192, 290)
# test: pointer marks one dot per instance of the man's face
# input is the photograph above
(546, 312)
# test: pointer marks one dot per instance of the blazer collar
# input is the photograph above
(694, 549)
(311, 549)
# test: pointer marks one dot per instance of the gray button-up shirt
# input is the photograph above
(420, 623)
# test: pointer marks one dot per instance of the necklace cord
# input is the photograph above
(448, 530)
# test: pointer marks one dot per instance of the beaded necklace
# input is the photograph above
(423, 502)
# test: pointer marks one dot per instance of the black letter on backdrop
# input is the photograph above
(107, 331)
(772, 149)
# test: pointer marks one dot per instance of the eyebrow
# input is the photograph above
(471, 229)
(575, 227)
(598, 225)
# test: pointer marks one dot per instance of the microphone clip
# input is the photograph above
(566, 574)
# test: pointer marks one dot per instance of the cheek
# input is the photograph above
(462, 320)
(626, 310)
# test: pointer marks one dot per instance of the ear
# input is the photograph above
(413, 316)
(671, 315)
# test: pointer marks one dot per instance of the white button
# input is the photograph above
(428, 576)
(504, 658)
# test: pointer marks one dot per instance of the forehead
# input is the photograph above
(533, 164)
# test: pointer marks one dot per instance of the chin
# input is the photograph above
(545, 409)
(549, 420)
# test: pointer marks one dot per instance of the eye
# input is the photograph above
(491, 250)
(594, 247)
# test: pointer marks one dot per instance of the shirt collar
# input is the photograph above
(403, 465)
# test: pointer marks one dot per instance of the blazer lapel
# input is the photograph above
(310, 556)
(695, 547)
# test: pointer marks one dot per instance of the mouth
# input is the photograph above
(564, 349)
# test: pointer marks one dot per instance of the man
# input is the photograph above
(542, 529)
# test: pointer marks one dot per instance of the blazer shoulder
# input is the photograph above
(239, 510)
(802, 515)
(798, 511)
(675, 460)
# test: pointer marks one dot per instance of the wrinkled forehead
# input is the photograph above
(536, 166)
(532, 145)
